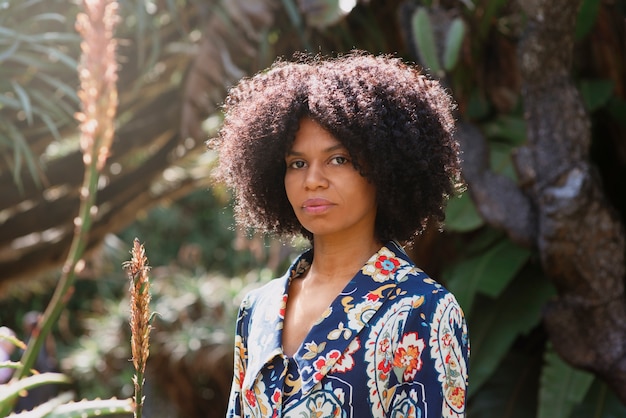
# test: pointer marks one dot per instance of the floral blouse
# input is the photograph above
(393, 343)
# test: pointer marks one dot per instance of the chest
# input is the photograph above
(306, 306)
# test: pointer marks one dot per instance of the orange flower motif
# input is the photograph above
(456, 396)
(409, 355)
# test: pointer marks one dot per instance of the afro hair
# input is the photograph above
(396, 123)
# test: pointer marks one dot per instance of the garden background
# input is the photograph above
(534, 249)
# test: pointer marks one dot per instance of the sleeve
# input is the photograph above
(431, 359)
(240, 361)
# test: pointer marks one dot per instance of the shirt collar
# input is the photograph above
(349, 313)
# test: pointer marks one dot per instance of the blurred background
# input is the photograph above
(533, 249)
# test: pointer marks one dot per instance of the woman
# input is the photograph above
(356, 154)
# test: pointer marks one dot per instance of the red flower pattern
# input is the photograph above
(251, 398)
(281, 312)
(387, 265)
(384, 366)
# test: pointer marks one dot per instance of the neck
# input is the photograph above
(337, 259)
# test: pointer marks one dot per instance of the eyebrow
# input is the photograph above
(327, 150)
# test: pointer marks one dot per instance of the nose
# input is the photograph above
(315, 177)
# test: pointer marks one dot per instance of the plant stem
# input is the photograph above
(98, 94)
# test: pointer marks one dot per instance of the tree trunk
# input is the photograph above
(559, 206)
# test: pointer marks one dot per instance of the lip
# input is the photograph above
(316, 205)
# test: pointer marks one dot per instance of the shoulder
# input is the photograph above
(276, 288)
(426, 295)
(262, 293)
(407, 275)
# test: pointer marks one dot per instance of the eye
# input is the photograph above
(296, 164)
(339, 160)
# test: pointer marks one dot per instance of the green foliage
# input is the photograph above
(34, 58)
(12, 390)
(461, 214)
(454, 41)
(495, 323)
(587, 16)
(200, 234)
(562, 387)
(488, 272)
(596, 93)
(193, 311)
(508, 128)
(600, 402)
(510, 391)
(61, 407)
(500, 285)
(425, 40)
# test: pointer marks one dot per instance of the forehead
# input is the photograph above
(311, 133)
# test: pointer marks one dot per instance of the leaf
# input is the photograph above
(12, 389)
(4, 55)
(500, 159)
(477, 106)
(93, 408)
(25, 104)
(323, 13)
(596, 93)
(53, 107)
(495, 324)
(22, 150)
(54, 54)
(488, 273)
(425, 40)
(296, 21)
(600, 402)
(587, 16)
(499, 266)
(292, 12)
(68, 91)
(562, 386)
(62, 407)
(50, 17)
(511, 391)
(454, 40)
(44, 409)
(461, 214)
(488, 16)
(510, 128)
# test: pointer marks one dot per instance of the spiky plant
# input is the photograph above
(137, 269)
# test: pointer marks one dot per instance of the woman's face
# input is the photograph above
(329, 196)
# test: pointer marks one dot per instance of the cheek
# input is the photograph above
(289, 188)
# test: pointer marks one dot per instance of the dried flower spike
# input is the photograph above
(98, 77)
(137, 269)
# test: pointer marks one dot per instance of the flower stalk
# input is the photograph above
(137, 269)
(98, 95)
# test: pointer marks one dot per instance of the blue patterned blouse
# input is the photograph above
(393, 343)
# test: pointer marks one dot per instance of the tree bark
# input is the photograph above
(559, 206)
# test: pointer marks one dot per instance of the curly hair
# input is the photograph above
(395, 122)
